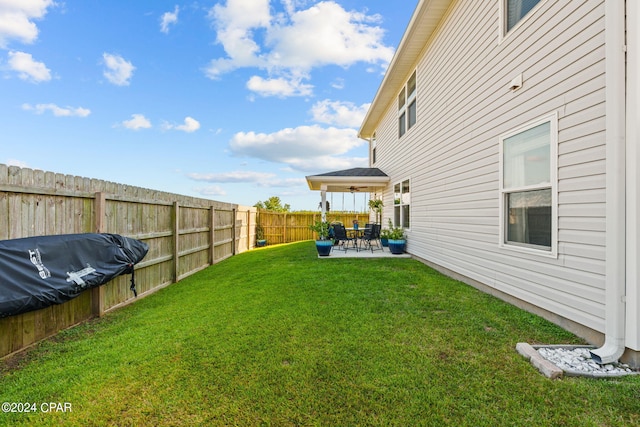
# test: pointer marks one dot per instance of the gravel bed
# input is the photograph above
(578, 362)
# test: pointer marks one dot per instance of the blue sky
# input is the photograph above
(233, 100)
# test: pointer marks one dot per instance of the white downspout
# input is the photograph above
(615, 66)
(633, 176)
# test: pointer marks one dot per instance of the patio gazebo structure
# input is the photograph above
(368, 180)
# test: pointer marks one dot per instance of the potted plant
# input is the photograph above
(397, 239)
(260, 240)
(384, 237)
(376, 205)
(323, 243)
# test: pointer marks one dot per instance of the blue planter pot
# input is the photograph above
(384, 241)
(261, 243)
(397, 246)
(324, 247)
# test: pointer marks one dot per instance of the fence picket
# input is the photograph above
(34, 203)
(288, 227)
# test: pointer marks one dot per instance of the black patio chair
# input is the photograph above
(371, 237)
(342, 238)
(332, 230)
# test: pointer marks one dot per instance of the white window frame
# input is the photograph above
(411, 100)
(373, 149)
(408, 99)
(552, 119)
(404, 201)
(503, 32)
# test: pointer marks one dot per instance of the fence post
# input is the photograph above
(285, 229)
(249, 229)
(212, 235)
(97, 293)
(313, 221)
(176, 240)
(234, 214)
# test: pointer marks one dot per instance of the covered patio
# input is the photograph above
(365, 180)
(356, 180)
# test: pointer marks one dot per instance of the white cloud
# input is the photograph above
(338, 84)
(260, 179)
(339, 113)
(234, 177)
(119, 71)
(235, 23)
(57, 111)
(190, 125)
(137, 122)
(327, 34)
(279, 87)
(212, 190)
(325, 163)
(294, 42)
(169, 18)
(28, 68)
(283, 183)
(16, 19)
(14, 162)
(302, 148)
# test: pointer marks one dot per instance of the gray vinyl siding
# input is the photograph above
(452, 154)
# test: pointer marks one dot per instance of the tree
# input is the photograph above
(273, 203)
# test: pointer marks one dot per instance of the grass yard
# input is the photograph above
(278, 337)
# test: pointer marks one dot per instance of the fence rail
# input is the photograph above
(184, 235)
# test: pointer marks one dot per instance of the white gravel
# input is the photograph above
(578, 361)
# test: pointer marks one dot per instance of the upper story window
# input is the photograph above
(528, 186)
(401, 204)
(515, 11)
(407, 106)
(373, 149)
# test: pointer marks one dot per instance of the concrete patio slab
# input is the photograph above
(352, 253)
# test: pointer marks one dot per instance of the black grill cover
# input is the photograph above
(36, 272)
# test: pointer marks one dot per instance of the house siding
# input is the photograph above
(452, 154)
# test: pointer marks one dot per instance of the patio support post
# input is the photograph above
(323, 202)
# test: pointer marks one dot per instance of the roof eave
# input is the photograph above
(424, 23)
(342, 183)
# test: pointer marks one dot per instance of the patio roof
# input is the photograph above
(367, 180)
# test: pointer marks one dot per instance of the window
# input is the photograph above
(407, 106)
(402, 113)
(401, 204)
(527, 185)
(373, 149)
(515, 11)
(411, 100)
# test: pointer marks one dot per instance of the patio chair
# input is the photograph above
(342, 238)
(371, 237)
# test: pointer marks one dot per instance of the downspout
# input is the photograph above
(615, 67)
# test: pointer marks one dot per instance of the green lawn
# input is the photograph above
(278, 337)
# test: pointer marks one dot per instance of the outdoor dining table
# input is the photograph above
(357, 234)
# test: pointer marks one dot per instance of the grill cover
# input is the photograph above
(36, 272)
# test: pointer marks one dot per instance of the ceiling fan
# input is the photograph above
(354, 189)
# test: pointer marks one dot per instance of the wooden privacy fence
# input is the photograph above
(288, 227)
(184, 234)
